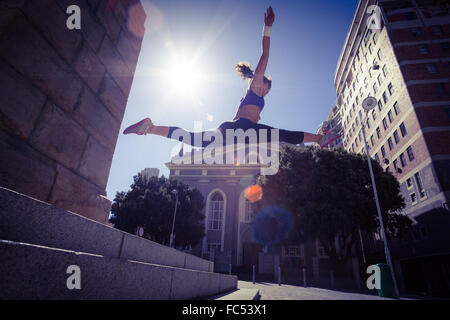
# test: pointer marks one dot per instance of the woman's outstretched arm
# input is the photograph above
(258, 77)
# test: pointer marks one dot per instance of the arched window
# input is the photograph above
(216, 212)
(249, 211)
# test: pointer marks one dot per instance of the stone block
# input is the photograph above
(129, 47)
(41, 273)
(59, 137)
(91, 29)
(97, 120)
(28, 52)
(24, 219)
(191, 284)
(139, 249)
(113, 97)
(24, 169)
(89, 67)
(227, 282)
(64, 41)
(136, 18)
(76, 194)
(96, 163)
(105, 14)
(116, 65)
(20, 102)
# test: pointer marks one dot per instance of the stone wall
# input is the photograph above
(63, 97)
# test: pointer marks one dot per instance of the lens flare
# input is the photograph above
(272, 225)
(253, 193)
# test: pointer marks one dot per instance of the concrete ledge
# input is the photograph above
(239, 294)
(24, 219)
(36, 272)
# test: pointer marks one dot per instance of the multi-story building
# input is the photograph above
(334, 123)
(401, 55)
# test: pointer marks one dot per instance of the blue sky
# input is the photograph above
(206, 39)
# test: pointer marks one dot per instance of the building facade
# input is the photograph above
(229, 240)
(334, 123)
(399, 53)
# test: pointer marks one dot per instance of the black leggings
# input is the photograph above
(293, 137)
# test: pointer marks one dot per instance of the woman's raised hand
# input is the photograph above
(269, 17)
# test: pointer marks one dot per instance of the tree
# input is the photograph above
(330, 195)
(151, 204)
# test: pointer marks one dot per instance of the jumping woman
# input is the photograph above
(247, 115)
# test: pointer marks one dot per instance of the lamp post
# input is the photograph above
(368, 104)
(175, 192)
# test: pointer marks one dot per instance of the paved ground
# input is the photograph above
(272, 291)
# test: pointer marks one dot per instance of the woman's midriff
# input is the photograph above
(250, 112)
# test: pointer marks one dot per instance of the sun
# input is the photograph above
(184, 77)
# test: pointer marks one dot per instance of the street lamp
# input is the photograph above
(175, 192)
(368, 104)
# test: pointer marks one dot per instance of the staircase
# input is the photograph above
(38, 243)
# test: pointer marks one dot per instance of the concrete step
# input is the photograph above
(25, 219)
(29, 271)
(239, 294)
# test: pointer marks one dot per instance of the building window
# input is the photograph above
(216, 212)
(409, 183)
(423, 233)
(403, 129)
(378, 132)
(396, 137)
(213, 247)
(377, 158)
(391, 145)
(367, 36)
(413, 198)
(391, 118)
(410, 15)
(423, 49)
(370, 48)
(395, 164)
(383, 151)
(437, 30)
(440, 88)
(447, 112)
(380, 80)
(396, 109)
(368, 123)
(380, 105)
(372, 140)
(320, 250)
(385, 71)
(419, 185)
(390, 89)
(375, 88)
(410, 153)
(385, 98)
(403, 160)
(416, 32)
(380, 54)
(445, 46)
(385, 125)
(375, 38)
(431, 68)
(249, 211)
(293, 251)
